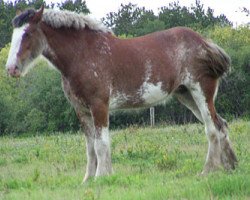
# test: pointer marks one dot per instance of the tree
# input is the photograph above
(124, 19)
(6, 15)
(78, 6)
(195, 17)
(136, 21)
(149, 26)
(234, 92)
(34, 103)
(175, 15)
(146, 23)
(132, 20)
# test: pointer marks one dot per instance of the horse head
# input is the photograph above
(27, 42)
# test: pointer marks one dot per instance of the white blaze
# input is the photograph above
(15, 45)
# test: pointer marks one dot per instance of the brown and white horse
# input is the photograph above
(101, 72)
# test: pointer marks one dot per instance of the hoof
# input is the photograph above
(86, 179)
(203, 173)
(228, 157)
(229, 160)
(210, 167)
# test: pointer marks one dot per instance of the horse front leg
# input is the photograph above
(91, 157)
(86, 119)
(103, 152)
(89, 131)
(102, 148)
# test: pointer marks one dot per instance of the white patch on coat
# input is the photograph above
(91, 157)
(95, 74)
(117, 100)
(181, 51)
(181, 56)
(149, 92)
(148, 72)
(214, 150)
(105, 135)
(103, 46)
(200, 100)
(216, 90)
(103, 152)
(188, 79)
(15, 45)
(152, 93)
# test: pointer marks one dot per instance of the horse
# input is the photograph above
(102, 73)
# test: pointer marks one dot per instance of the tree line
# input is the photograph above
(36, 103)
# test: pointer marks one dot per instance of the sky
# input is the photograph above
(230, 8)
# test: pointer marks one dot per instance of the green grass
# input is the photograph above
(149, 163)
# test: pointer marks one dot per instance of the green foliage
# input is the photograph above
(34, 103)
(149, 26)
(35, 120)
(136, 21)
(78, 6)
(237, 43)
(165, 164)
(124, 19)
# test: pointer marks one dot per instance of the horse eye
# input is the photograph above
(26, 35)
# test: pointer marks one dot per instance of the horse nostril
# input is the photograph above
(12, 68)
(14, 71)
(9, 70)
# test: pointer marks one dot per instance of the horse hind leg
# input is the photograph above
(191, 100)
(228, 157)
(185, 97)
(219, 149)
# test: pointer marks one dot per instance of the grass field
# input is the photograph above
(149, 163)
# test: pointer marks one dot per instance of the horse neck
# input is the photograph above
(64, 44)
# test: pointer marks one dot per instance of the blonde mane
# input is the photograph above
(58, 19)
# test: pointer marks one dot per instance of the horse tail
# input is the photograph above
(215, 60)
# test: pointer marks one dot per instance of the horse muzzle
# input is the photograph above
(14, 71)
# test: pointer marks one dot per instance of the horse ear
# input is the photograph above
(38, 15)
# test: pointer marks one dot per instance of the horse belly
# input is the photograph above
(147, 95)
(152, 94)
